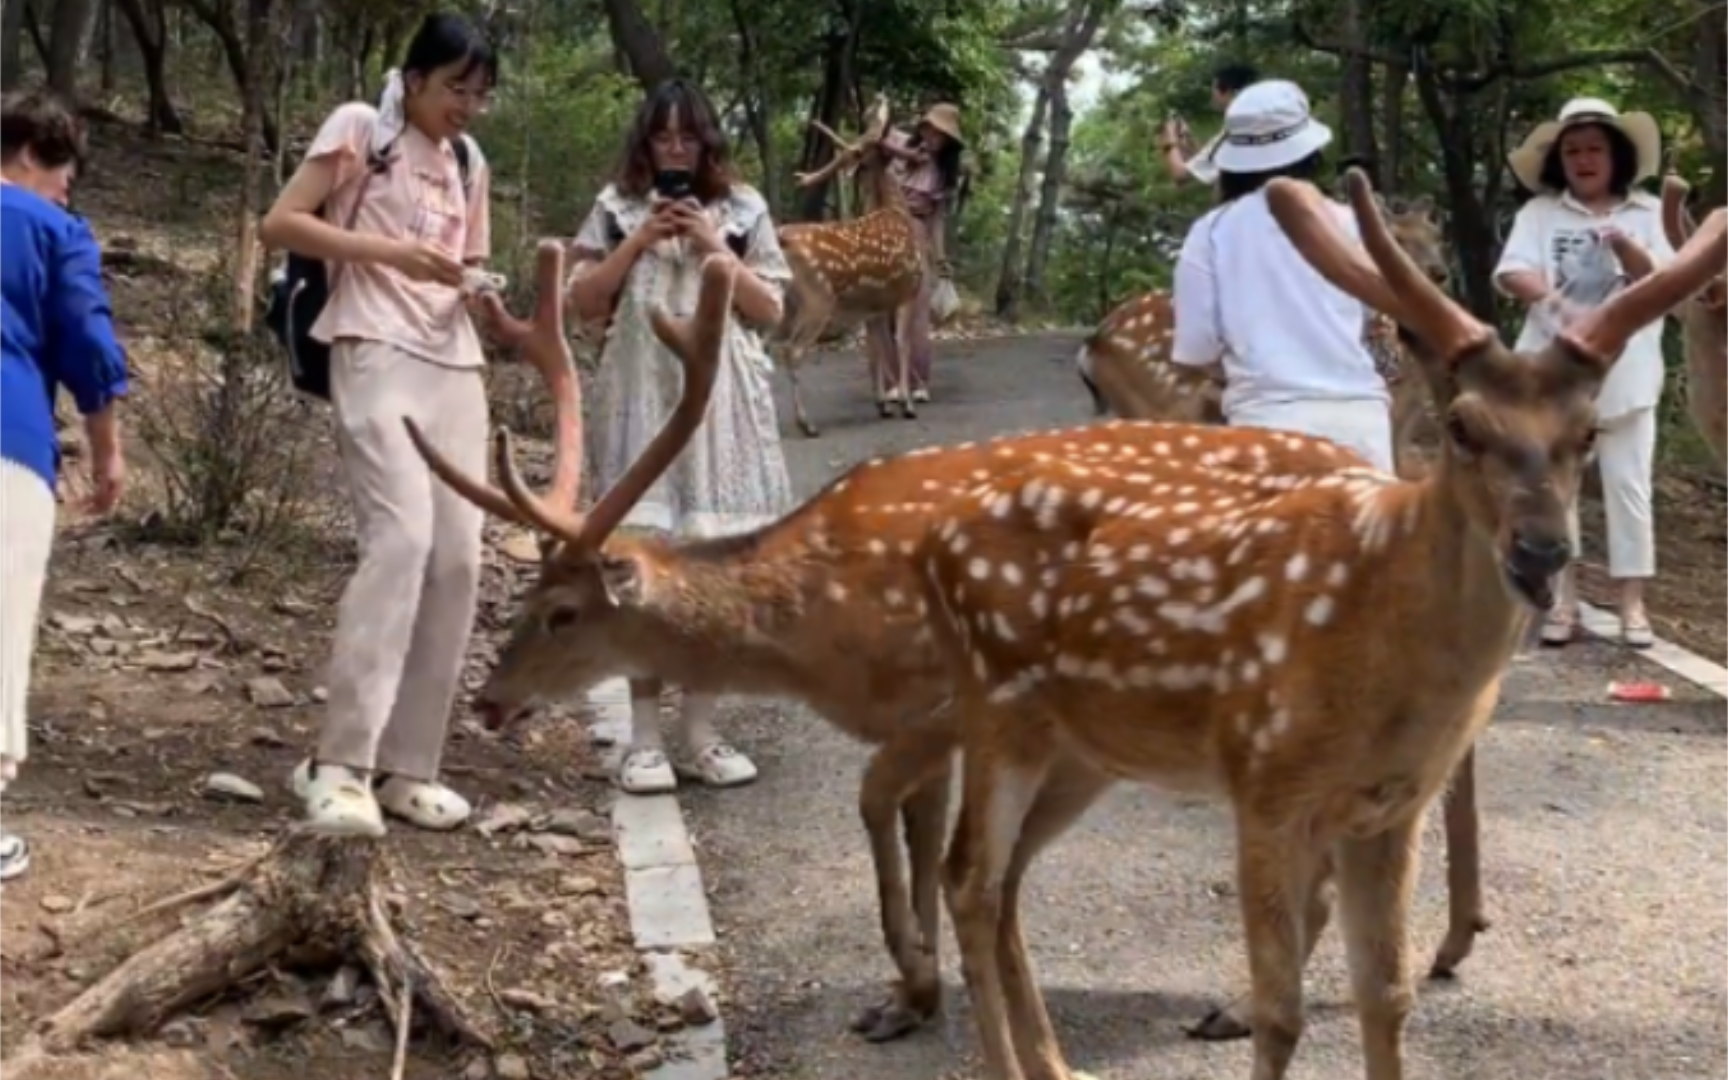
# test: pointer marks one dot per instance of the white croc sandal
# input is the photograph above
(339, 801)
(646, 772)
(721, 765)
(425, 804)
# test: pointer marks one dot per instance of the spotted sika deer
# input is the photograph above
(867, 269)
(821, 607)
(1250, 613)
(1704, 326)
(1125, 363)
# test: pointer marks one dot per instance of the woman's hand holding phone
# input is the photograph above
(692, 221)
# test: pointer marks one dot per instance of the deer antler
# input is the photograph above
(845, 154)
(1676, 220)
(699, 342)
(1601, 334)
(1392, 283)
(542, 341)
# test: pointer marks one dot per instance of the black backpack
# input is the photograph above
(298, 294)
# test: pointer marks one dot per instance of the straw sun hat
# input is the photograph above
(945, 118)
(1638, 127)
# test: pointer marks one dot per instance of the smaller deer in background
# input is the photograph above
(866, 269)
(1704, 324)
(1125, 363)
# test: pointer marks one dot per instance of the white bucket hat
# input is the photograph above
(1268, 126)
(1639, 127)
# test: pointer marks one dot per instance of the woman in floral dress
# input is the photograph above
(641, 248)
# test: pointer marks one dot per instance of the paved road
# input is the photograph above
(1604, 833)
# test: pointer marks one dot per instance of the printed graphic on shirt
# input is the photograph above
(1568, 249)
(438, 211)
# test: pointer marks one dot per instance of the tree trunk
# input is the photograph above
(635, 37)
(69, 28)
(1008, 280)
(838, 64)
(11, 42)
(758, 105)
(1394, 80)
(1470, 224)
(1356, 97)
(150, 31)
(1050, 193)
(1710, 99)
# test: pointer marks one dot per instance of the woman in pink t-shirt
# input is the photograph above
(382, 195)
(927, 166)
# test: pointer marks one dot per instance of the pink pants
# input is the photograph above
(403, 626)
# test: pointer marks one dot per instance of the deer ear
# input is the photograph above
(622, 581)
(1421, 204)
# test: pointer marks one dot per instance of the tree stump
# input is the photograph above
(307, 894)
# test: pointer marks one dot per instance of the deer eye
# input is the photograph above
(1588, 442)
(560, 619)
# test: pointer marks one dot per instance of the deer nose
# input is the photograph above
(1539, 556)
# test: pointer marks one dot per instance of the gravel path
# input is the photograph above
(1604, 828)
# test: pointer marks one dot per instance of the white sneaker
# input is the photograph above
(14, 855)
(921, 394)
(339, 801)
(722, 766)
(645, 771)
(425, 803)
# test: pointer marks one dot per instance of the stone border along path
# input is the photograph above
(663, 888)
(669, 907)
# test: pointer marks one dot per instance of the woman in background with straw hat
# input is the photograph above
(1583, 167)
(927, 167)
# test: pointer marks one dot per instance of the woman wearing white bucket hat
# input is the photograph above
(1290, 344)
(1583, 167)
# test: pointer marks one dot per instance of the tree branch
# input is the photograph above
(1645, 57)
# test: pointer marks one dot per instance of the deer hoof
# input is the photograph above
(810, 430)
(1456, 948)
(1220, 1025)
(908, 410)
(885, 409)
(887, 1021)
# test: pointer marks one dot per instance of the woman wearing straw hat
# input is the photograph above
(927, 166)
(1583, 167)
(1290, 344)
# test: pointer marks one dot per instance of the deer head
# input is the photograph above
(1677, 223)
(1518, 427)
(1418, 232)
(570, 630)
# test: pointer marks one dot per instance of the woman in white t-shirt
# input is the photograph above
(1289, 343)
(1583, 167)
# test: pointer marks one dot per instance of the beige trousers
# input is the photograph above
(403, 626)
(26, 538)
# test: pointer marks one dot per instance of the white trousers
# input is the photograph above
(26, 538)
(1626, 458)
(1364, 426)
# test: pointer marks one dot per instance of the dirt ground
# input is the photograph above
(160, 664)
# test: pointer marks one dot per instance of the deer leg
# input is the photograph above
(899, 780)
(1463, 871)
(1068, 792)
(1234, 1021)
(794, 361)
(997, 796)
(1376, 880)
(878, 347)
(1275, 874)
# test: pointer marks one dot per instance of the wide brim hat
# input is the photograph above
(945, 118)
(1267, 127)
(1640, 129)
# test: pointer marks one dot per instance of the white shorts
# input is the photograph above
(1364, 425)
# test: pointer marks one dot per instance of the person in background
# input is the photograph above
(1584, 168)
(403, 344)
(1289, 343)
(1176, 142)
(56, 330)
(927, 167)
(674, 202)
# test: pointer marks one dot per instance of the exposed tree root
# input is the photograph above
(308, 893)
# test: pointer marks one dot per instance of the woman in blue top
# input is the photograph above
(55, 330)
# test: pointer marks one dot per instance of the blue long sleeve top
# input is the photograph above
(56, 327)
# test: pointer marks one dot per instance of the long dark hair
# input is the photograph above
(714, 175)
(1621, 153)
(445, 38)
(1234, 185)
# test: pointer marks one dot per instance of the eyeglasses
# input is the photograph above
(477, 98)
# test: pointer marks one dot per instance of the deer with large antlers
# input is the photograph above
(1704, 325)
(867, 269)
(1252, 613)
(1125, 363)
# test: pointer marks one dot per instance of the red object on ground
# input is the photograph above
(1639, 692)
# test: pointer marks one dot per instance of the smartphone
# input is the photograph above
(674, 184)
